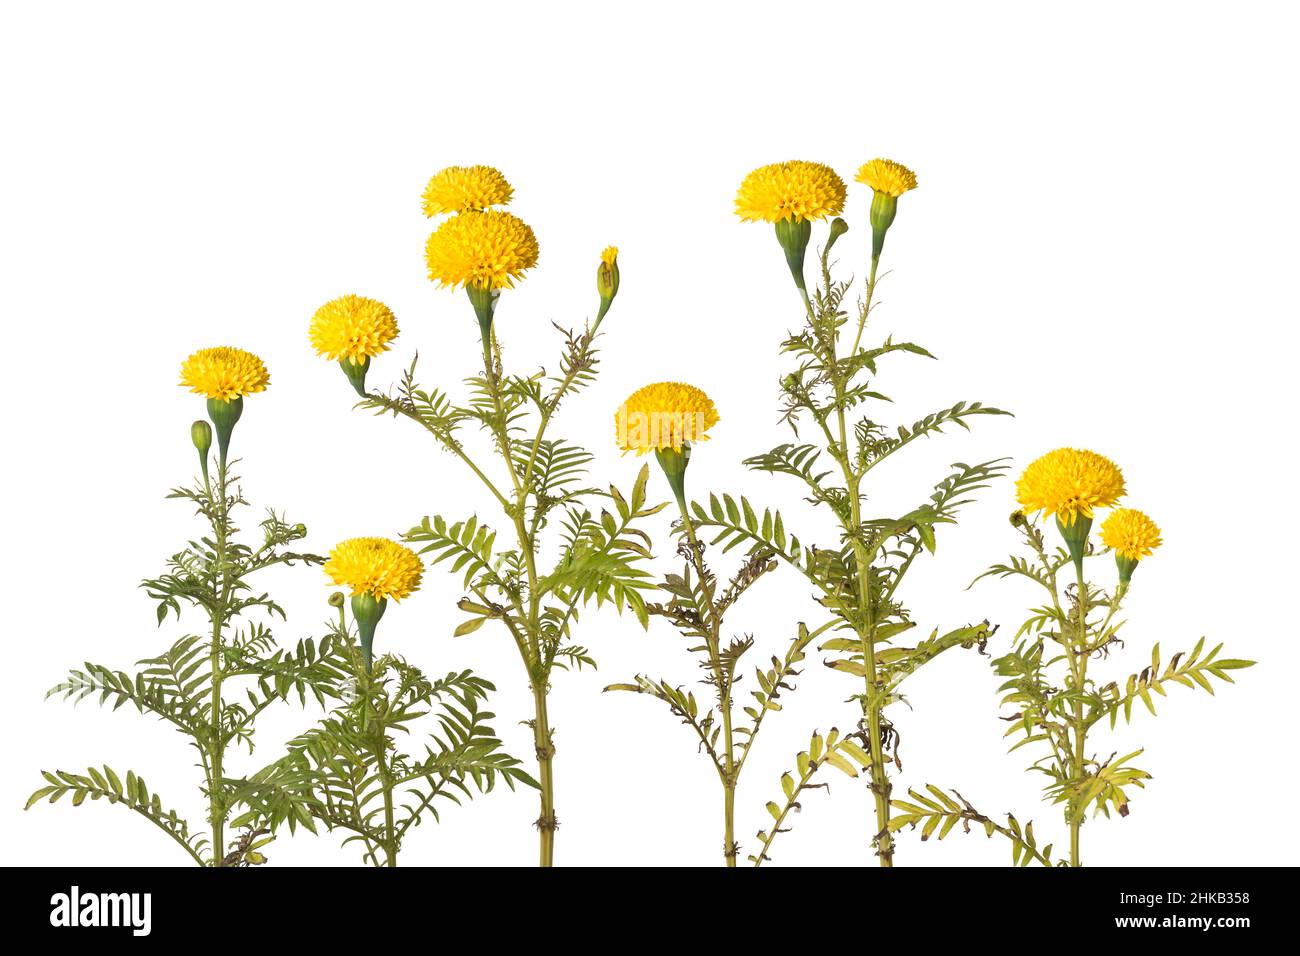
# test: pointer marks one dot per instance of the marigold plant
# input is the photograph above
(1055, 705)
(830, 395)
(537, 480)
(362, 783)
(211, 686)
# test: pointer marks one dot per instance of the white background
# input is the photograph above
(1103, 241)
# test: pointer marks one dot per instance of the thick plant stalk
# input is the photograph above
(880, 785)
(545, 745)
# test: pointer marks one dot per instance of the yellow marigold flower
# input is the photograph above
(1069, 482)
(795, 190)
(352, 327)
(461, 188)
(489, 250)
(664, 415)
(886, 176)
(375, 566)
(610, 256)
(224, 373)
(1130, 533)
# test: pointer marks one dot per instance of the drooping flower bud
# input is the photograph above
(838, 228)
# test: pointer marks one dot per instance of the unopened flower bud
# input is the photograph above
(838, 228)
(607, 279)
(201, 435)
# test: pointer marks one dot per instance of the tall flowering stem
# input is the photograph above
(830, 387)
(536, 477)
(188, 685)
(1057, 705)
(668, 418)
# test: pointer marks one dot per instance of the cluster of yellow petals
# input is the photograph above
(664, 415)
(489, 250)
(795, 190)
(610, 256)
(352, 327)
(1130, 533)
(886, 176)
(461, 188)
(375, 566)
(1069, 482)
(224, 373)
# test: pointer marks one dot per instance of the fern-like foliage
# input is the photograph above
(1054, 702)
(133, 794)
(211, 687)
(696, 605)
(352, 772)
(937, 813)
(830, 399)
(541, 489)
(845, 754)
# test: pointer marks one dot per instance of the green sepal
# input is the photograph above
(356, 373)
(367, 611)
(793, 236)
(1126, 567)
(484, 301)
(1076, 537)
(883, 209)
(674, 462)
(224, 415)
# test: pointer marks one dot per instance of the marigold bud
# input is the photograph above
(201, 435)
(607, 279)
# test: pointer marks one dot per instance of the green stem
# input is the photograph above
(545, 746)
(880, 785)
(729, 772)
(539, 676)
(221, 578)
(390, 831)
(1080, 666)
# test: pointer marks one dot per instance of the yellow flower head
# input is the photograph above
(375, 566)
(1069, 482)
(489, 250)
(664, 415)
(461, 188)
(610, 256)
(352, 327)
(224, 373)
(1130, 533)
(886, 176)
(795, 190)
